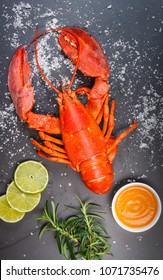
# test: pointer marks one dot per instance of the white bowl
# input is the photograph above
(140, 229)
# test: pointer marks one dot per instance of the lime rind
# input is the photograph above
(24, 193)
(7, 213)
(31, 177)
(20, 201)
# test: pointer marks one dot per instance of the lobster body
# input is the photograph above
(84, 146)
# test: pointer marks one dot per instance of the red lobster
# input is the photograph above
(84, 146)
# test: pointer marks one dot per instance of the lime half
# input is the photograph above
(23, 202)
(7, 213)
(31, 177)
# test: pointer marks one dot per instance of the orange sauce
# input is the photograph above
(136, 206)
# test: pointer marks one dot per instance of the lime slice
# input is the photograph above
(31, 177)
(23, 202)
(7, 213)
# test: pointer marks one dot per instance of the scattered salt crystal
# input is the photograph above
(127, 247)
(109, 7)
(22, 11)
(142, 176)
(140, 238)
(47, 14)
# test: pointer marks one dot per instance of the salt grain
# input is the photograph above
(109, 7)
(140, 238)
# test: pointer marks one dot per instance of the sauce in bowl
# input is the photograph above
(136, 207)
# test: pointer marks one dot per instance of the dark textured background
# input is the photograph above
(131, 35)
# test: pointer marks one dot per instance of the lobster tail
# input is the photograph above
(97, 173)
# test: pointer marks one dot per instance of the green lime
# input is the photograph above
(31, 177)
(7, 213)
(23, 202)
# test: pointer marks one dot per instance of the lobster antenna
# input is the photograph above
(38, 65)
(41, 34)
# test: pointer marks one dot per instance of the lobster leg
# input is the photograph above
(50, 149)
(112, 142)
(111, 121)
(52, 152)
(54, 147)
(47, 137)
(54, 158)
(122, 136)
(105, 115)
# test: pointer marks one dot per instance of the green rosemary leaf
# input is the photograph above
(81, 203)
(81, 233)
(87, 253)
(101, 212)
(94, 204)
(73, 207)
(64, 250)
(83, 241)
(44, 228)
(99, 228)
(47, 209)
(70, 247)
(40, 219)
(54, 211)
(95, 215)
(58, 239)
(71, 220)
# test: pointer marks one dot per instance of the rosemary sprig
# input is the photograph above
(79, 236)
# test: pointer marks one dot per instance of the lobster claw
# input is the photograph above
(22, 94)
(19, 83)
(76, 42)
(88, 55)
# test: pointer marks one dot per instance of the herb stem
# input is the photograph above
(86, 218)
(62, 231)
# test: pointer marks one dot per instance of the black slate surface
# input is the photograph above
(131, 35)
